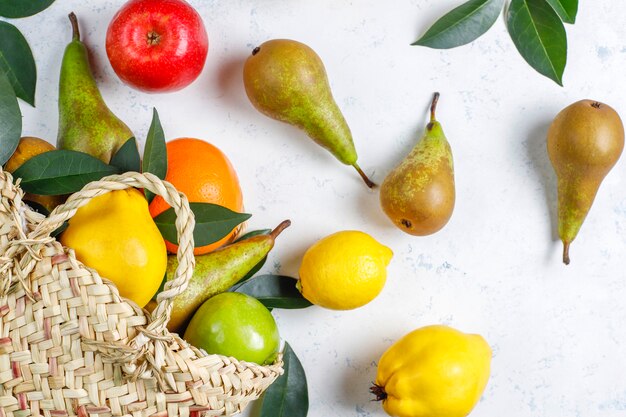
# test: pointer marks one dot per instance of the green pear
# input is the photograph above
(286, 80)
(585, 141)
(419, 194)
(216, 272)
(85, 122)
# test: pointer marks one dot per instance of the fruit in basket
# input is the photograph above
(216, 272)
(157, 45)
(434, 371)
(26, 149)
(344, 271)
(86, 124)
(286, 80)
(585, 141)
(205, 175)
(418, 195)
(237, 325)
(115, 235)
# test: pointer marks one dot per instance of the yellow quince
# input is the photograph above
(435, 371)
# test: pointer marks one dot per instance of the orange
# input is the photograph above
(205, 175)
(27, 148)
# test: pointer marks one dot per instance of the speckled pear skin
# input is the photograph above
(216, 272)
(419, 194)
(86, 124)
(286, 80)
(585, 141)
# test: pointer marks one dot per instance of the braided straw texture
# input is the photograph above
(71, 346)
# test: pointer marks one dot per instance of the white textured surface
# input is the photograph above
(557, 333)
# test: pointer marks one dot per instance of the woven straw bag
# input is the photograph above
(71, 346)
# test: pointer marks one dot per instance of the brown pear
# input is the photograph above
(419, 194)
(585, 141)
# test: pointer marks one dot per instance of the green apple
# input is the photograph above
(237, 325)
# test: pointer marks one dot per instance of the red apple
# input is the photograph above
(157, 45)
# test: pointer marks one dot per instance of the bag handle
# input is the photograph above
(185, 223)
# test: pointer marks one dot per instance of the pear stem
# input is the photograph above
(75, 30)
(566, 259)
(279, 229)
(433, 107)
(368, 182)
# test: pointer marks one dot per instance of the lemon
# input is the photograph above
(344, 271)
(115, 235)
(435, 371)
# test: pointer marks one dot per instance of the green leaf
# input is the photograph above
(155, 151)
(566, 9)
(288, 396)
(253, 233)
(462, 25)
(42, 210)
(10, 120)
(127, 157)
(213, 223)
(37, 207)
(59, 229)
(17, 62)
(61, 172)
(539, 36)
(274, 291)
(23, 8)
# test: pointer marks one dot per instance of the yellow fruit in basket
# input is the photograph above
(27, 148)
(115, 235)
(435, 371)
(344, 271)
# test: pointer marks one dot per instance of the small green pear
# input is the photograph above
(286, 80)
(216, 272)
(86, 124)
(585, 141)
(419, 194)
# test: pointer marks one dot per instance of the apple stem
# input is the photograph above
(153, 38)
(278, 230)
(75, 30)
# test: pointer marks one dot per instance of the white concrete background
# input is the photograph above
(557, 332)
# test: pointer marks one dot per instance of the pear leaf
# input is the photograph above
(539, 35)
(17, 62)
(10, 120)
(213, 223)
(61, 172)
(155, 151)
(127, 157)
(288, 396)
(566, 9)
(23, 8)
(462, 25)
